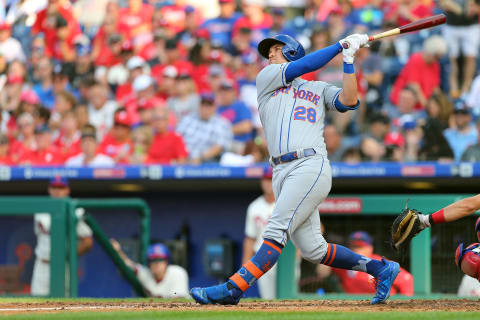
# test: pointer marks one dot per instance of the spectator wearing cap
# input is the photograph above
(355, 282)
(372, 143)
(160, 279)
(206, 134)
(68, 141)
(220, 28)
(10, 47)
(237, 113)
(186, 37)
(25, 141)
(394, 147)
(84, 68)
(258, 213)
(100, 108)
(45, 153)
(279, 23)
(107, 43)
(136, 67)
(472, 153)
(118, 144)
(166, 84)
(464, 134)
(247, 87)
(174, 15)
(185, 98)
(167, 147)
(58, 187)
(5, 158)
(46, 22)
(29, 102)
(89, 156)
(422, 71)
(43, 71)
(255, 18)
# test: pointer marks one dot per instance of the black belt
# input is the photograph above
(287, 157)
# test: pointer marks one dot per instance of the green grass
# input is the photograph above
(242, 315)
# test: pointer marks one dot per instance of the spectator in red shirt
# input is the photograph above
(136, 20)
(362, 283)
(4, 155)
(46, 22)
(172, 58)
(63, 48)
(255, 19)
(45, 154)
(68, 141)
(89, 155)
(25, 141)
(124, 93)
(422, 70)
(117, 144)
(406, 11)
(107, 44)
(167, 146)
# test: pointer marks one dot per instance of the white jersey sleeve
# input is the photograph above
(250, 228)
(83, 230)
(269, 79)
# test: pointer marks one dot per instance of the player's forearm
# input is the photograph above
(462, 208)
(349, 94)
(312, 61)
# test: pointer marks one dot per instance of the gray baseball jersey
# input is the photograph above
(293, 114)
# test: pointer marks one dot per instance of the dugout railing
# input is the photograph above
(63, 234)
(375, 205)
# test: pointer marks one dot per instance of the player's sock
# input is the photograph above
(341, 257)
(437, 217)
(251, 271)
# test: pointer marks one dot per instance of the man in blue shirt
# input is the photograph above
(465, 134)
(221, 27)
(237, 113)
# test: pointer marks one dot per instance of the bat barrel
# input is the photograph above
(424, 23)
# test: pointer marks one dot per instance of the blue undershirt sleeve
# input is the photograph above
(312, 61)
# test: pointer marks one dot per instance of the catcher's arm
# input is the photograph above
(461, 208)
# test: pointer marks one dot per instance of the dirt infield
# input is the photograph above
(282, 305)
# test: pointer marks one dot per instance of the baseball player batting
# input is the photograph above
(292, 112)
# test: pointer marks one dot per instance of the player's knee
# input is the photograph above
(315, 254)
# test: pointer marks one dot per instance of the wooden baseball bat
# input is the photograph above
(414, 26)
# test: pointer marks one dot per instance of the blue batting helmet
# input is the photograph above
(292, 49)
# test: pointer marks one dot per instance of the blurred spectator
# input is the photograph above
(64, 102)
(61, 80)
(278, 23)
(394, 147)
(172, 59)
(336, 25)
(107, 43)
(186, 37)
(221, 27)
(25, 141)
(205, 133)
(439, 107)
(333, 143)
(44, 87)
(41, 116)
(89, 156)
(435, 146)
(142, 140)
(136, 20)
(161, 279)
(10, 47)
(63, 48)
(145, 113)
(11, 93)
(255, 18)
(247, 87)
(405, 109)
(371, 71)
(185, 100)
(96, 13)
(47, 22)
(100, 109)
(472, 153)
(68, 141)
(406, 11)
(5, 158)
(29, 102)
(372, 146)
(462, 34)
(45, 153)
(422, 71)
(237, 113)
(464, 134)
(145, 91)
(117, 144)
(167, 146)
(354, 282)
(352, 155)
(136, 67)
(84, 68)
(166, 85)
(473, 97)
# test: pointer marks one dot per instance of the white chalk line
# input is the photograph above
(69, 308)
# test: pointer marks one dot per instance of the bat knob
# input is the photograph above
(345, 45)
(370, 38)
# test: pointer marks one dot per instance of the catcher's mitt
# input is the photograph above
(406, 226)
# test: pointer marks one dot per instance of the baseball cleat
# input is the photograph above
(384, 281)
(220, 294)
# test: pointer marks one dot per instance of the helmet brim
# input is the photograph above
(265, 45)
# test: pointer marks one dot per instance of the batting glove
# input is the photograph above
(351, 44)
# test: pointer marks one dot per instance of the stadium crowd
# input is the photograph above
(105, 82)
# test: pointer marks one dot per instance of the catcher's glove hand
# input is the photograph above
(406, 226)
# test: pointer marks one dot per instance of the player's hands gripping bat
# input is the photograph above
(406, 226)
